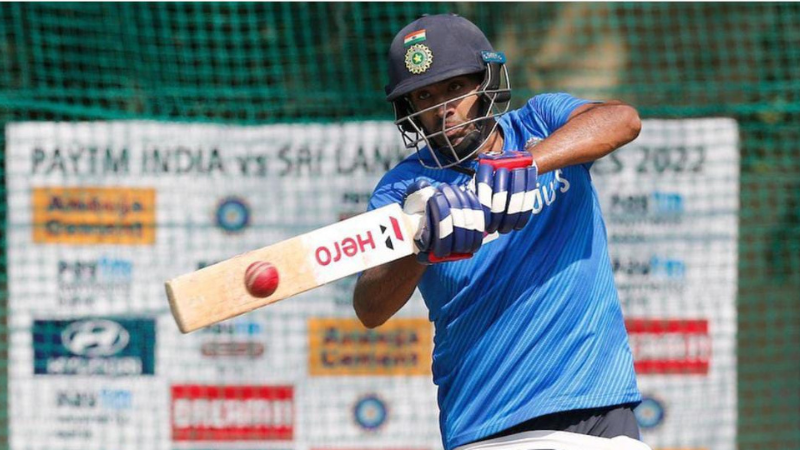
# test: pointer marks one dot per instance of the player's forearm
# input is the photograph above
(588, 136)
(382, 291)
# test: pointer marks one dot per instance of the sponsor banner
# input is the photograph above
(96, 347)
(221, 190)
(232, 339)
(670, 346)
(656, 184)
(80, 411)
(371, 412)
(342, 347)
(670, 200)
(256, 348)
(88, 282)
(650, 413)
(232, 413)
(97, 414)
(93, 215)
(140, 149)
(232, 215)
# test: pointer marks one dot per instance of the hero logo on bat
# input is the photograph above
(359, 243)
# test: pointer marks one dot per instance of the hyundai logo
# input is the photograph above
(95, 338)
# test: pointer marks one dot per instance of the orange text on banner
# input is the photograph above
(345, 347)
(94, 215)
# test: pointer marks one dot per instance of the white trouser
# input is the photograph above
(556, 440)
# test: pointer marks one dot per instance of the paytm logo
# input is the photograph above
(109, 399)
(102, 270)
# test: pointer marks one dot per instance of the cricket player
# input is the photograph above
(529, 333)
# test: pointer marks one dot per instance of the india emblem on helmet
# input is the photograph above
(418, 58)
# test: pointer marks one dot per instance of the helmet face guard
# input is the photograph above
(494, 95)
(433, 49)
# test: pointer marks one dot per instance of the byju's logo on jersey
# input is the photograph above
(110, 347)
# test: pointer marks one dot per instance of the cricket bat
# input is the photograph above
(218, 292)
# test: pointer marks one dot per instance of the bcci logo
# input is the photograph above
(649, 413)
(370, 412)
(233, 215)
(418, 58)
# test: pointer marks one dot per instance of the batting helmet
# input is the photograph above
(433, 49)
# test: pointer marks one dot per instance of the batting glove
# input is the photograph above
(505, 184)
(452, 222)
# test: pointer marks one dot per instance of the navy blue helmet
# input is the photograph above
(433, 49)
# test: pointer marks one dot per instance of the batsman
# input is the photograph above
(529, 334)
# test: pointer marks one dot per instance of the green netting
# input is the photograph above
(259, 63)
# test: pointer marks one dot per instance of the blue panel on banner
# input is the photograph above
(94, 346)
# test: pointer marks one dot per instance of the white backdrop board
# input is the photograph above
(102, 213)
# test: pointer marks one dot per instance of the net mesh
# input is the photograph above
(305, 63)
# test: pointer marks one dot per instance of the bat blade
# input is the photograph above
(217, 292)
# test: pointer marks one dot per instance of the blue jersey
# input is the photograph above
(531, 324)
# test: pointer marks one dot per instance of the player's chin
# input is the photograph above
(441, 142)
(453, 138)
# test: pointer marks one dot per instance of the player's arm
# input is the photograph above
(381, 291)
(451, 227)
(592, 131)
(588, 133)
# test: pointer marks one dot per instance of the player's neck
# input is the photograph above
(494, 143)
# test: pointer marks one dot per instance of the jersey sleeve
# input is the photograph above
(392, 187)
(387, 192)
(554, 109)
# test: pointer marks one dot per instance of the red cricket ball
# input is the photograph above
(261, 279)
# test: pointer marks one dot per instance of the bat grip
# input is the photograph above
(509, 160)
(451, 257)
